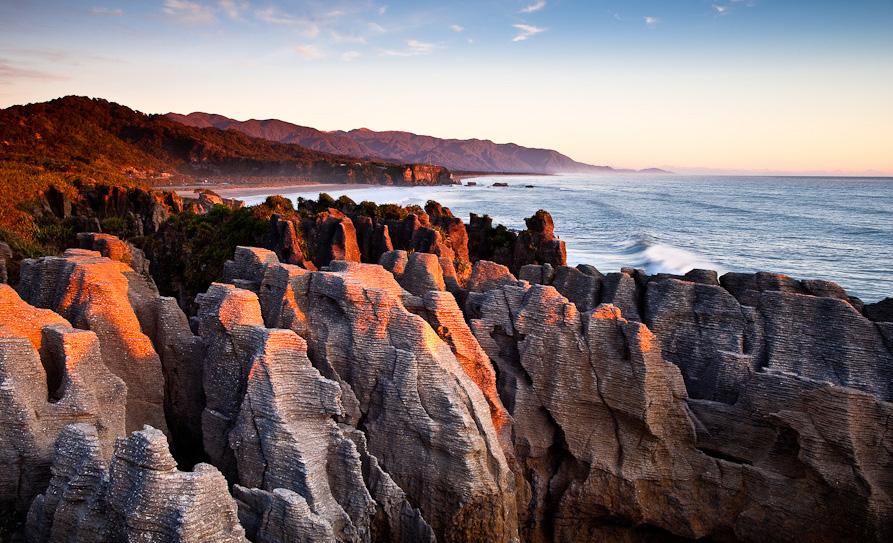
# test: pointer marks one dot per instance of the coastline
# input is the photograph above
(231, 190)
(260, 190)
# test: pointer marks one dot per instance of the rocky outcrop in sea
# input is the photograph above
(373, 378)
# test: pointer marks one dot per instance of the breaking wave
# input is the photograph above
(655, 257)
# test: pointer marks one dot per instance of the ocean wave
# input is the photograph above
(655, 257)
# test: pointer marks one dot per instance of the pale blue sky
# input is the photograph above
(794, 86)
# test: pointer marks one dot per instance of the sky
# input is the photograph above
(783, 86)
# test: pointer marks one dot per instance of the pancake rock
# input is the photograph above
(50, 375)
(333, 237)
(539, 244)
(417, 273)
(611, 444)
(107, 297)
(111, 247)
(141, 496)
(285, 241)
(413, 401)
(270, 422)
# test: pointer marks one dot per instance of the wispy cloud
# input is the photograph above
(526, 31)
(726, 8)
(234, 9)
(275, 16)
(376, 28)
(350, 56)
(338, 37)
(534, 7)
(650, 21)
(309, 52)
(457, 28)
(413, 48)
(106, 12)
(10, 72)
(382, 10)
(185, 11)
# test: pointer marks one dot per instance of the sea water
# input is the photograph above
(839, 229)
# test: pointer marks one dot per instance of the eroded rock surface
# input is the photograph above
(413, 401)
(140, 496)
(50, 378)
(107, 297)
(607, 436)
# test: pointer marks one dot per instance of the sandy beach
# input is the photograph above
(245, 192)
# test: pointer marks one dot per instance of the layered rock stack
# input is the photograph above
(522, 401)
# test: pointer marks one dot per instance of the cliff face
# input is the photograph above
(420, 400)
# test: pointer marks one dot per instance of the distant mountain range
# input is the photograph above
(472, 155)
(94, 137)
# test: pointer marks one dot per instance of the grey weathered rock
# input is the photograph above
(718, 342)
(182, 357)
(140, 497)
(270, 423)
(50, 375)
(247, 267)
(286, 436)
(334, 238)
(395, 262)
(609, 441)
(227, 317)
(881, 311)
(280, 515)
(107, 297)
(422, 274)
(415, 403)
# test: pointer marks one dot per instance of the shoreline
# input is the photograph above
(230, 190)
(260, 190)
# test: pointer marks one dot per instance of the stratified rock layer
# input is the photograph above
(107, 297)
(412, 399)
(270, 422)
(607, 437)
(50, 375)
(141, 496)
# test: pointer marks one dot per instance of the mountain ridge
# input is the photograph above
(478, 155)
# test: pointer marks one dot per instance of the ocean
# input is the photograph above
(839, 229)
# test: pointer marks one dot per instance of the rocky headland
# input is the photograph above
(335, 371)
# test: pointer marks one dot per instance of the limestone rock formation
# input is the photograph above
(270, 422)
(334, 238)
(50, 375)
(107, 297)
(719, 342)
(881, 311)
(111, 247)
(141, 496)
(608, 439)
(417, 273)
(286, 242)
(538, 244)
(414, 402)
